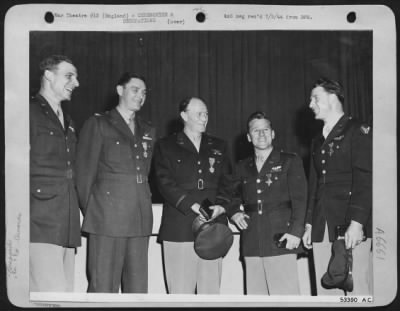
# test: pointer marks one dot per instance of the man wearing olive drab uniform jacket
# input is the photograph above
(54, 210)
(113, 161)
(272, 187)
(190, 166)
(340, 187)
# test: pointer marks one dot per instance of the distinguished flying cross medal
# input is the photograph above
(269, 180)
(212, 162)
(145, 146)
(331, 151)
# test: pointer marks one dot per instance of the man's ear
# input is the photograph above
(183, 116)
(48, 75)
(119, 89)
(333, 100)
(248, 137)
(273, 134)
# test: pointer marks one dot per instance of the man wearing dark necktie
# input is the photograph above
(54, 210)
(340, 188)
(190, 166)
(271, 186)
(113, 162)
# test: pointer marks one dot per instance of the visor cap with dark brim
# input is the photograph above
(212, 239)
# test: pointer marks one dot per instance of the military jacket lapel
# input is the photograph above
(119, 123)
(183, 141)
(67, 123)
(337, 130)
(207, 147)
(270, 162)
(138, 130)
(49, 112)
(251, 167)
(318, 141)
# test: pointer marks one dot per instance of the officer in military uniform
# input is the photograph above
(54, 210)
(340, 187)
(113, 161)
(271, 186)
(190, 166)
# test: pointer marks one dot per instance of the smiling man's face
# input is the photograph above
(63, 80)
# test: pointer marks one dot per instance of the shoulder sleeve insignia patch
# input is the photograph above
(365, 129)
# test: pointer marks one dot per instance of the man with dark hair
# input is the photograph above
(272, 188)
(113, 162)
(54, 210)
(190, 166)
(340, 187)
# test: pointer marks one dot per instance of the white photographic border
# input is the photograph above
(22, 19)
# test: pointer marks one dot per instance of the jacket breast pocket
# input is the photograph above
(116, 149)
(47, 142)
(183, 168)
(248, 190)
(178, 163)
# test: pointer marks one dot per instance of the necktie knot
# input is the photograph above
(131, 124)
(260, 159)
(325, 131)
(60, 116)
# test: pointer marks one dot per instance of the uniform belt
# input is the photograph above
(199, 184)
(255, 207)
(262, 206)
(334, 178)
(138, 178)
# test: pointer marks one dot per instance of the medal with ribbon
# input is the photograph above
(145, 146)
(212, 162)
(331, 151)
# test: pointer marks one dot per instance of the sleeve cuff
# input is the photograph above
(185, 203)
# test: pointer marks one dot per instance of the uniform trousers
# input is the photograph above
(362, 267)
(115, 261)
(273, 275)
(185, 271)
(51, 268)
